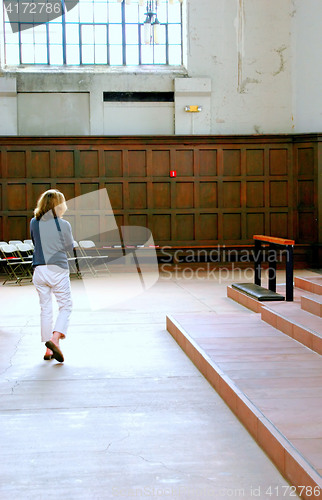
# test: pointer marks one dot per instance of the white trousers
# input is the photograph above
(48, 280)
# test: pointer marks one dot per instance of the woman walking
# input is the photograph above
(52, 238)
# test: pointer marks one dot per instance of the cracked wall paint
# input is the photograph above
(240, 41)
(243, 86)
(282, 60)
(243, 46)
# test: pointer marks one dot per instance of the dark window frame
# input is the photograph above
(64, 44)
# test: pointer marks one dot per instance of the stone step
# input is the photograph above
(288, 317)
(313, 285)
(291, 319)
(312, 304)
(271, 382)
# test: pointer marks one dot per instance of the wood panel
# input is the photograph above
(255, 161)
(161, 163)
(16, 164)
(255, 194)
(88, 164)
(161, 195)
(65, 164)
(278, 161)
(113, 163)
(40, 164)
(16, 194)
(207, 162)
(306, 173)
(137, 163)
(226, 188)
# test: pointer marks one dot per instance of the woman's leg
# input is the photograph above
(45, 301)
(62, 292)
(61, 288)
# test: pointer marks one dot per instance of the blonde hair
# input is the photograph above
(48, 201)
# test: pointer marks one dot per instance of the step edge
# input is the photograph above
(290, 451)
(300, 325)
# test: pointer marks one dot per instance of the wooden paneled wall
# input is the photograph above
(226, 188)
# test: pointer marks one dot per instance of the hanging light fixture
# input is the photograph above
(151, 23)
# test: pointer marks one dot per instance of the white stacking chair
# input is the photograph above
(14, 242)
(73, 261)
(97, 261)
(29, 242)
(25, 252)
(16, 267)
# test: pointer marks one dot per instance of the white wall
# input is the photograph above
(307, 65)
(8, 105)
(244, 47)
(53, 113)
(260, 57)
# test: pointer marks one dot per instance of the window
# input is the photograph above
(93, 32)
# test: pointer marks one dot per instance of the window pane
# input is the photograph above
(115, 34)
(175, 55)
(114, 13)
(27, 35)
(163, 13)
(147, 54)
(88, 54)
(174, 13)
(101, 35)
(88, 34)
(100, 54)
(72, 33)
(8, 28)
(131, 33)
(100, 13)
(142, 16)
(40, 34)
(56, 54)
(55, 34)
(161, 34)
(174, 32)
(160, 54)
(72, 16)
(27, 54)
(40, 54)
(131, 13)
(10, 36)
(72, 54)
(116, 55)
(12, 54)
(86, 12)
(132, 55)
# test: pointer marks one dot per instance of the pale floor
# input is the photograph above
(127, 415)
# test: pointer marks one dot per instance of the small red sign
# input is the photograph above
(173, 173)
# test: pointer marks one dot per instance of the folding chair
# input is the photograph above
(25, 251)
(14, 242)
(29, 242)
(73, 261)
(97, 261)
(16, 268)
(84, 263)
(3, 262)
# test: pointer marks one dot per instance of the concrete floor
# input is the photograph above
(127, 415)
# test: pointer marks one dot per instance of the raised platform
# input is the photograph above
(271, 381)
(312, 305)
(291, 318)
